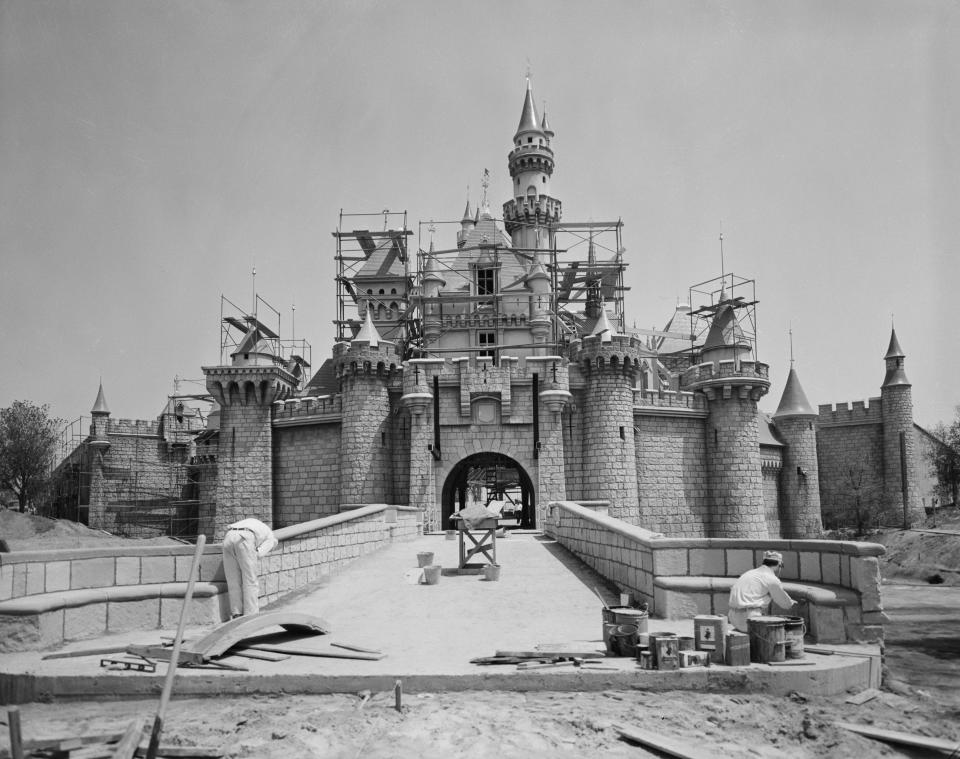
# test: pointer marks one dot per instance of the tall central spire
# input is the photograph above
(528, 117)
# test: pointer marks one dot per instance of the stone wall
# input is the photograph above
(671, 473)
(635, 559)
(306, 472)
(850, 457)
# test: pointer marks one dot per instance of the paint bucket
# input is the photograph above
(691, 658)
(607, 615)
(425, 558)
(737, 652)
(659, 646)
(645, 657)
(686, 644)
(451, 534)
(491, 572)
(709, 633)
(629, 616)
(767, 639)
(793, 631)
(623, 640)
(431, 574)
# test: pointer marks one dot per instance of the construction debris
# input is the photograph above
(670, 746)
(950, 747)
(863, 696)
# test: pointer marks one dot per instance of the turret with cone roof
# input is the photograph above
(531, 164)
(100, 414)
(901, 484)
(800, 474)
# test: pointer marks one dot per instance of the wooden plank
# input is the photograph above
(283, 649)
(175, 654)
(551, 654)
(16, 737)
(863, 696)
(128, 743)
(262, 655)
(223, 638)
(185, 752)
(792, 663)
(359, 649)
(86, 652)
(672, 746)
(906, 739)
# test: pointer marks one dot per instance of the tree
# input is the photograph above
(944, 458)
(28, 439)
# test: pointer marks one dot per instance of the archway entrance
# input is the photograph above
(485, 478)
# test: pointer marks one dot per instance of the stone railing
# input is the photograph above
(680, 577)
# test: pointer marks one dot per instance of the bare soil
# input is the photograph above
(29, 532)
(921, 696)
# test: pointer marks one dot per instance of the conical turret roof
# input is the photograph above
(528, 117)
(368, 332)
(100, 406)
(544, 126)
(603, 328)
(794, 401)
(894, 350)
(467, 214)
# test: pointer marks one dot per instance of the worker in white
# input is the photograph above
(245, 542)
(753, 591)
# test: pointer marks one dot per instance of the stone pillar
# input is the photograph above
(551, 471)
(418, 400)
(365, 453)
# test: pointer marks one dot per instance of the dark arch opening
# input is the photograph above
(489, 477)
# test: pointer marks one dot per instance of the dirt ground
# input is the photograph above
(921, 696)
(28, 532)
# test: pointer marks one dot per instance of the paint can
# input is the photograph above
(686, 643)
(431, 574)
(425, 558)
(629, 616)
(689, 658)
(607, 615)
(491, 572)
(737, 646)
(665, 647)
(645, 657)
(623, 640)
(709, 634)
(793, 632)
(767, 639)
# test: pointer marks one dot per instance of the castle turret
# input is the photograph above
(364, 368)
(431, 282)
(800, 477)
(467, 224)
(610, 364)
(531, 165)
(900, 491)
(245, 392)
(732, 384)
(99, 444)
(540, 306)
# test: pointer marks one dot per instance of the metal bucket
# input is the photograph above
(431, 574)
(425, 558)
(623, 640)
(793, 631)
(767, 639)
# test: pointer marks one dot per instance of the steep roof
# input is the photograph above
(528, 117)
(385, 260)
(100, 406)
(894, 350)
(794, 401)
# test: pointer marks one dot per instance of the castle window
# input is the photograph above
(486, 281)
(486, 341)
(381, 291)
(393, 290)
(529, 140)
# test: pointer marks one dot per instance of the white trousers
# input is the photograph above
(738, 617)
(240, 566)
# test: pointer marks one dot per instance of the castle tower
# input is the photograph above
(531, 165)
(610, 364)
(900, 492)
(431, 282)
(540, 306)
(98, 444)
(245, 392)
(364, 367)
(800, 476)
(419, 401)
(732, 384)
(467, 225)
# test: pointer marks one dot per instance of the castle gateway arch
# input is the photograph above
(485, 477)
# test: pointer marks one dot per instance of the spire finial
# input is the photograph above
(791, 346)
(253, 286)
(485, 183)
(293, 320)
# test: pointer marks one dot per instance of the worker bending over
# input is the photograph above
(245, 542)
(753, 591)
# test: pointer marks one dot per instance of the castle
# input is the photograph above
(501, 368)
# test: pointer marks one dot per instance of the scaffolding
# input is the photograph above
(584, 260)
(709, 297)
(264, 325)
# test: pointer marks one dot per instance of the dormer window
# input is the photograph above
(486, 281)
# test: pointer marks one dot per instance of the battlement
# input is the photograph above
(721, 372)
(476, 320)
(540, 207)
(869, 412)
(361, 357)
(133, 427)
(593, 352)
(669, 399)
(480, 370)
(308, 408)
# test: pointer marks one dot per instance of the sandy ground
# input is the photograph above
(921, 696)
(28, 532)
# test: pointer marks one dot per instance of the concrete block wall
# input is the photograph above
(672, 474)
(306, 472)
(634, 558)
(850, 458)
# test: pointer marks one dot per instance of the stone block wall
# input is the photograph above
(306, 472)
(771, 469)
(671, 473)
(850, 460)
(635, 559)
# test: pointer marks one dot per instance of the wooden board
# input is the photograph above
(288, 649)
(672, 746)
(863, 696)
(906, 739)
(222, 638)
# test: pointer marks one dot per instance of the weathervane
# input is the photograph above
(485, 183)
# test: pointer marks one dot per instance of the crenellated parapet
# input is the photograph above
(613, 353)
(531, 210)
(139, 427)
(248, 385)
(361, 358)
(307, 410)
(859, 412)
(718, 379)
(669, 399)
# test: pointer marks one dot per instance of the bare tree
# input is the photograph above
(944, 458)
(28, 439)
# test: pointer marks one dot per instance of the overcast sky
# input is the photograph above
(151, 153)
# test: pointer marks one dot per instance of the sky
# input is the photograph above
(152, 154)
